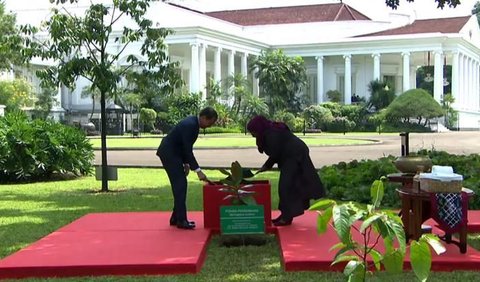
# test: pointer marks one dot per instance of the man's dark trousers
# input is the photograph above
(173, 165)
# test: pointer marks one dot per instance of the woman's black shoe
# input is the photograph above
(283, 222)
(173, 220)
(277, 219)
(185, 224)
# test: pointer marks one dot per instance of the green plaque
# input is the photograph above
(242, 219)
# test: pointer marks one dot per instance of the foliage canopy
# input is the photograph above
(281, 79)
(81, 45)
(414, 103)
(10, 40)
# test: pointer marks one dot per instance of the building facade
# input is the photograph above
(342, 48)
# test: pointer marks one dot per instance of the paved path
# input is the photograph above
(467, 142)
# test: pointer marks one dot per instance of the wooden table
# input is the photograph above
(416, 209)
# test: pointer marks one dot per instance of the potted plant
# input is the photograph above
(237, 198)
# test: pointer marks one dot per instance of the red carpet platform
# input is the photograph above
(112, 244)
(304, 250)
(143, 243)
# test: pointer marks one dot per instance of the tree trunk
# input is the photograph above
(103, 117)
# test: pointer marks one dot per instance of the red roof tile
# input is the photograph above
(294, 14)
(443, 25)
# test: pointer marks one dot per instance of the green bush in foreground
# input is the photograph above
(31, 150)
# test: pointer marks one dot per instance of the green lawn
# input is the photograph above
(205, 141)
(29, 212)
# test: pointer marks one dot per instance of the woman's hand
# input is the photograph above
(202, 176)
(262, 169)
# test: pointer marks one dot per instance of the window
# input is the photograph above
(389, 80)
(311, 89)
(341, 85)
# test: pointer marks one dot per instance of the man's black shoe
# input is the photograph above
(185, 224)
(173, 221)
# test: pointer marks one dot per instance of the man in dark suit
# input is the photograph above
(176, 153)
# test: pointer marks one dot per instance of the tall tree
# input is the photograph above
(281, 79)
(79, 43)
(440, 3)
(237, 86)
(10, 40)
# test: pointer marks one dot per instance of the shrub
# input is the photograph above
(182, 105)
(340, 124)
(162, 122)
(334, 96)
(31, 150)
(286, 117)
(218, 129)
(351, 181)
(317, 117)
(148, 117)
(416, 104)
(299, 124)
(335, 108)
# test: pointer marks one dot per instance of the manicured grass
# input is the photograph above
(29, 212)
(223, 141)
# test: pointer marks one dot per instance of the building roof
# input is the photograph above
(443, 25)
(288, 15)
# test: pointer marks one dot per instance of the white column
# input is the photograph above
(465, 83)
(473, 90)
(231, 62)
(194, 71)
(455, 84)
(376, 66)
(471, 98)
(203, 71)
(66, 100)
(438, 77)
(217, 62)
(406, 71)
(471, 84)
(2, 110)
(474, 85)
(255, 82)
(461, 76)
(243, 66)
(468, 84)
(477, 87)
(319, 79)
(58, 98)
(348, 79)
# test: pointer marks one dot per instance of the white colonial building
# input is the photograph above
(343, 50)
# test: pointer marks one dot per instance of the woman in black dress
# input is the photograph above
(299, 181)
